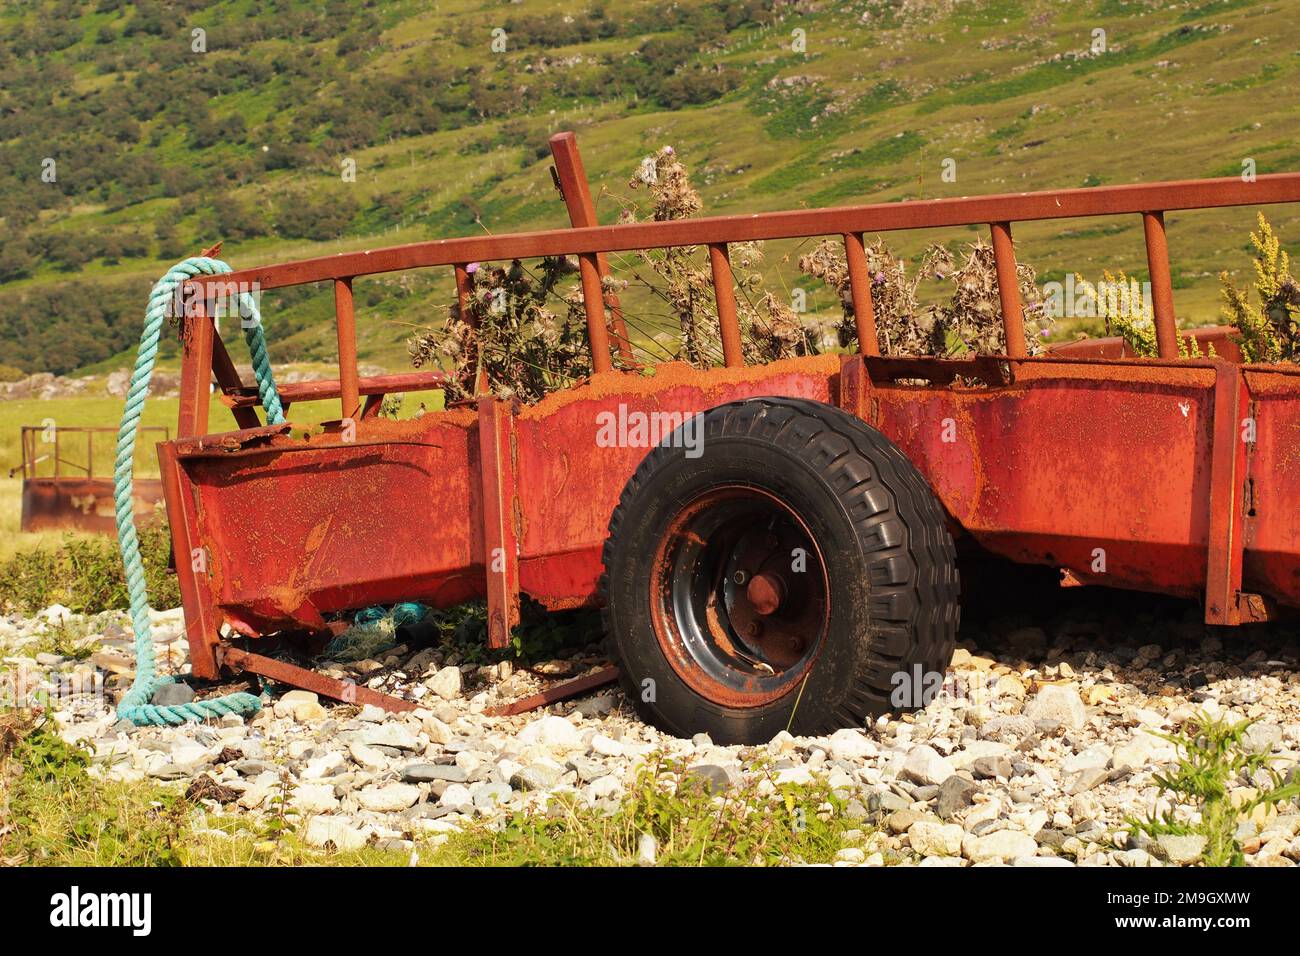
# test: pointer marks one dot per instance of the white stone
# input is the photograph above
(437, 731)
(1059, 702)
(924, 766)
(189, 755)
(457, 795)
(389, 799)
(445, 683)
(1000, 845)
(929, 838)
(848, 744)
(314, 798)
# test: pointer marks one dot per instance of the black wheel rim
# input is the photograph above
(740, 596)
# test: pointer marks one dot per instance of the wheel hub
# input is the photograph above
(741, 596)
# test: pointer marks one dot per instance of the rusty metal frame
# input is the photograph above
(571, 180)
(498, 463)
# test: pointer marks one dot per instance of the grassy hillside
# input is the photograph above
(159, 150)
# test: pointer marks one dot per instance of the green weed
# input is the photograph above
(1212, 758)
(85, 574)
(675, 815)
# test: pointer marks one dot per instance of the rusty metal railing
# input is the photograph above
(31, 436)
(591, 243)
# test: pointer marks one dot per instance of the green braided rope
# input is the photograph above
(135, 705)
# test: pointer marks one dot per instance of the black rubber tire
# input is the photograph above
(889, 562)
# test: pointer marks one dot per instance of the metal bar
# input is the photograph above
(576, 193)
(864, 312)
(196, 372)
(1013, 319)
(325, 389)
(90, 454)
(1162, 288)
(346, 320)
(724, 293)
(286, 673)
(496, 441)
(556, 692)
(193, 574)
(593, 303)
(223, 367)
(796, 224)
(1226, 540)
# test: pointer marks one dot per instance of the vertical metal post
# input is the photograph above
(1162, 287)
(593, 303)
(500, 517)
(345, 319)
(576, 192)
(196, 372)
(725, 294)
(864, 313)
(1013, 318)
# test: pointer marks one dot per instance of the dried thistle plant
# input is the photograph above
(510, 335)
(970, 322)
(1271, 332)
(770, 330)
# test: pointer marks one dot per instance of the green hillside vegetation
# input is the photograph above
(159, 149)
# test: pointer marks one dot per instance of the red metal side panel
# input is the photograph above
(295, 529)
(1272, 560)
(569, 484)
(1069, 460)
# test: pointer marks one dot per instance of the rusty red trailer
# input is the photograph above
(1170, 475)
(55, 499)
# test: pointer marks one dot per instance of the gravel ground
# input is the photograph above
(1041, 745)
